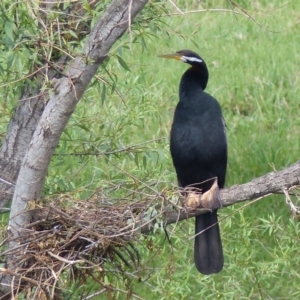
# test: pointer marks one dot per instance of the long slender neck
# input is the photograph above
(193, 80)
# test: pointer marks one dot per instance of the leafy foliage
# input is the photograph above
(118, 136)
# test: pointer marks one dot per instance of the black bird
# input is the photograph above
(199, 151)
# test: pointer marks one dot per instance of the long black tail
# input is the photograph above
(208, 253)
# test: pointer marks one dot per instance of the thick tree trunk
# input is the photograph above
(16, 142)
(68, 91)
(33, 101)
(20, 130)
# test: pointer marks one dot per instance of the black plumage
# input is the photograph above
(199, 151)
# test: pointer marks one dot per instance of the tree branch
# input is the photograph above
(271, 183)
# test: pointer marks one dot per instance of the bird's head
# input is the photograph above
(186, 56)
(198, 71)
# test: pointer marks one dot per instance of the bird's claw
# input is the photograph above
(209, 200)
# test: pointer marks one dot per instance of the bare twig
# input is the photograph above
(294, 209)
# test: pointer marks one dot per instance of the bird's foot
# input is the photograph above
(209, 200)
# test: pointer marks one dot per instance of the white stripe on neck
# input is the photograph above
(191, 59)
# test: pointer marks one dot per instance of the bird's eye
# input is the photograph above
(184, 58)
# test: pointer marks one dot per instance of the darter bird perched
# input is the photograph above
(199, 151)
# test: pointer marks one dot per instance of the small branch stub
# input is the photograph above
(295, 210)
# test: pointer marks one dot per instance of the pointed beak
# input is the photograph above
(172, 56)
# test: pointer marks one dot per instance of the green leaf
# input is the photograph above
(136, 159)
(9, 30)
(103, 93)
(84, 127)
(87, 7)
(19, 65)
(73, 34)
(123, 63)
(145, 162)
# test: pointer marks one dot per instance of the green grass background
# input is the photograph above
(254, 73)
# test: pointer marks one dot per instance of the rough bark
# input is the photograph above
(16, 141)
(31, 105)
(21, 128)
(68, 91)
